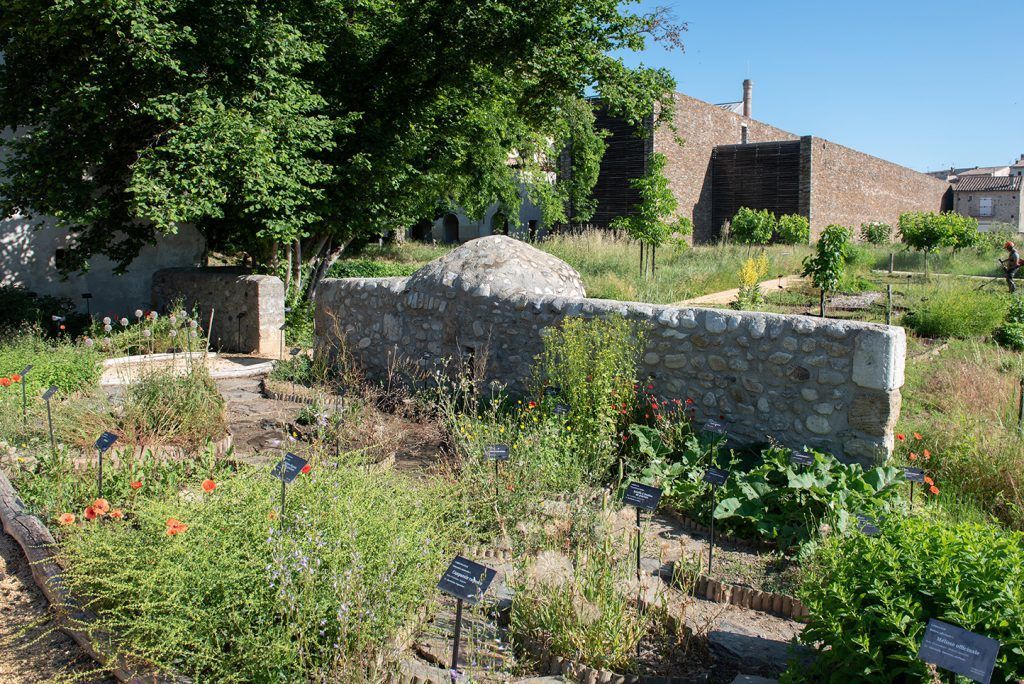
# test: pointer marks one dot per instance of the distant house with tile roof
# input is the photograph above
(996, 201)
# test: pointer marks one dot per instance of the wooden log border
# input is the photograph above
(335, 402)
(40, 549)
(710, 589)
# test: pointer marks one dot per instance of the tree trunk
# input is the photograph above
(298, 265)
(331, 255)
(288, 270)
(821, 303)
(654, 258)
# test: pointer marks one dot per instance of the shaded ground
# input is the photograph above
(32, 650)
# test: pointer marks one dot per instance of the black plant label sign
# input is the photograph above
(105, 441)
(714, 426)
(466, 580)
(552, 391)
(48, 394)
(958, 650)
(641, 496)
(25, 370)
(867, 526)
(561, 409)
(801, 458)
(86, 295)
(913, 474)
(288, 467)
(497, 452)
(716, 476)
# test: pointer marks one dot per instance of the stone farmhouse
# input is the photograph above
(996, 201)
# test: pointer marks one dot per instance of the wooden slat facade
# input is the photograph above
(762, 175)
(624, 159)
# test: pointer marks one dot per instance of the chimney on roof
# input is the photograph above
(748, 88)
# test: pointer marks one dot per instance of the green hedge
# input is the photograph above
(370, 268)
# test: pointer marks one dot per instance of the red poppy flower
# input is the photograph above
(928, 480)
(62, 327)
(689, 402)
(532, 404)
(90, 513)
(917, 435)
(650, 386)
(5, 382)
(66, 519)
(209, 485)
(927, 454)
(933, 489)
(175, 526)
(15, 378)
(101, 506)
(136, 485)
(117, 514)
(305, 469)
(901, 437)
(913, 456)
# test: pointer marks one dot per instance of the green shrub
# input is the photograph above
(370, 268)
(750, 227)
(163, 406)
(793, 229)
(593, 363)
(927, 232)
(870, 598)
(875, 232)
(1011, 333)
(956, 313)
(237, 597)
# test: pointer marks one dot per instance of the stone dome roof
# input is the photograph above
(498, 266)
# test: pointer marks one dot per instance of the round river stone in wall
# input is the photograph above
(498, 266)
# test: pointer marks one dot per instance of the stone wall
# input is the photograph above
(804, 381)
(248, 309)
(850, 188)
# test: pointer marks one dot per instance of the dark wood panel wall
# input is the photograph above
(762, 175)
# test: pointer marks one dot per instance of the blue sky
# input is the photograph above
(925, 84)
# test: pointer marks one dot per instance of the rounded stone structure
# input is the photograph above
(498, 266)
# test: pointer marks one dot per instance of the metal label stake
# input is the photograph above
(24, 401)
(105, 441)
(47, 395)
(465, 581)
(716, 477)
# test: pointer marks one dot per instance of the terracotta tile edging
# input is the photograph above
(717, 591)
(39, 547)
(335, 402)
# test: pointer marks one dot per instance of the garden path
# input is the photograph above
(727, 297)
(32, 649)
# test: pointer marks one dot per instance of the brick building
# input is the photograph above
(996, 201)
(719, 158)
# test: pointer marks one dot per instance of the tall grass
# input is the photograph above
(609, 265)
(964, 404)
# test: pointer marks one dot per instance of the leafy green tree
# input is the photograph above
(825, 266)
(793, 229)
(752, 227)
(655, 218)
(291, 127)
(927, 232)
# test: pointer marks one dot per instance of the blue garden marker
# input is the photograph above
(105, 441)
(286, 470)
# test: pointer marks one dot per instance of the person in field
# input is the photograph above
(1011, 264)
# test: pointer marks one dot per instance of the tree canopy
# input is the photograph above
(265, 122)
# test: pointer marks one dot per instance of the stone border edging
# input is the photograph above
(39, 547)
(781, 605)
(336, 402)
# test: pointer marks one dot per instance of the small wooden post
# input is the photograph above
(1020, 408)
(888, 304)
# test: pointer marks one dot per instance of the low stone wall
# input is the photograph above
(248, 309)
(828, 384)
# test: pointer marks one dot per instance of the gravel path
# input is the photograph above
(31, 649)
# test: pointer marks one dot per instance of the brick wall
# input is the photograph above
(703, 127)
(850, 188)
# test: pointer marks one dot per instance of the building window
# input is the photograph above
(984, 206)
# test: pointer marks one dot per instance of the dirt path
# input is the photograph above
(727, 297)
(31, 649)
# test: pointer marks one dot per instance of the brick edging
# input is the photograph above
(782, 605)
(335, 402)
(691, 525)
